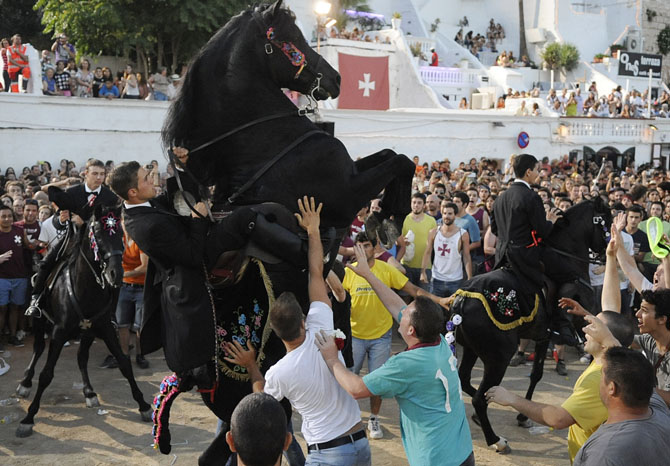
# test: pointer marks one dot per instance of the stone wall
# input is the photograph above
(650, 29)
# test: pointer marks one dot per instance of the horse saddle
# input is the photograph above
(276, 237)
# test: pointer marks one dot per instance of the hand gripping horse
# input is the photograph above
(493, 316)
(83, 298)
(246, 138)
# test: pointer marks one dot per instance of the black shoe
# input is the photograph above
(518, 358)
(560, 368)
(17, 342)
(142, 363)
(110, 362)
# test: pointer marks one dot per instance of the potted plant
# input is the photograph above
(614, 49)
(598, 58)
(396, 20)
(415, 48)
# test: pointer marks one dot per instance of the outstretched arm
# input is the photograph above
(309, 220)
(611, 296)
(549, 415)
(393, 303)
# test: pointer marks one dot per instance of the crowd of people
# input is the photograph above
(63, 76)
(446, 239)
(476, 43)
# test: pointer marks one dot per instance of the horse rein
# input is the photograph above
(100, 279)
(597, 220)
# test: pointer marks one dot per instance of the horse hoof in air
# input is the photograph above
(92, 402)
(502, 446)
(24, 430)
(23, 392)
(146, 415)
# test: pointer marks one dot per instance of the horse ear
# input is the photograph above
(276, 7)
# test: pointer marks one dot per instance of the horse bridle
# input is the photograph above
(100, 278)
(597, 220)
(297, 59)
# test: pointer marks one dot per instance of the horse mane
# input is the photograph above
(180, 123)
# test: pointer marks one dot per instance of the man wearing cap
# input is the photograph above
(174, 86)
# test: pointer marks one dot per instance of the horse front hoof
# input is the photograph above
(92, 402)
(526, 424)
(24, 430)
(146, 415)
(502, 446)
(23, 392)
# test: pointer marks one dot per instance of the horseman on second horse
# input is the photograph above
(80, 201)
(520, 222)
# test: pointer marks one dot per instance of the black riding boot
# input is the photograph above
(46, 265)
(278, 241)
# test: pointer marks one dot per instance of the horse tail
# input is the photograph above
(169, 390)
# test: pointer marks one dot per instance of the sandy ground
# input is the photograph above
(68, 433)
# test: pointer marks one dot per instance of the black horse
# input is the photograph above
(84, 296)
(247, 139)
(490, 334)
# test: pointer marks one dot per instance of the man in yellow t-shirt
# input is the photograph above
(370, 321)
(420, 223)
(583, 411)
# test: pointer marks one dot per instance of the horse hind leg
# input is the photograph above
(494, 370)
(25, 428)
(108, 334)
(535, 376)
(465, 370)
(23, 390)
(218, 451)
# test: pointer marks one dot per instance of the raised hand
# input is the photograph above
(574, 307)
(309, 217)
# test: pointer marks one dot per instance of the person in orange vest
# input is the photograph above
(434, 60)
(18, 64)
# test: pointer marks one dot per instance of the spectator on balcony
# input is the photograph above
(84, 78)
(536, 109)
(464, 104)
(580, 101)
(62, 79)
(459, 37)
(625, 112)
(522, 110)
(45, 62)
(98, 81)
(109, 90)
(71, 67)
(63, 49)
(434, 59)
(49, 86)
(503, 60)
(594, 89)
(143, 86)
(159, 81)
(551, 98)
(4, 55)
(131, 88)
(588, 103)
(563, 97)
(664, 113)
(468, 39)
(174, 86)
(571, 106)
(558, 107)
(501, 103)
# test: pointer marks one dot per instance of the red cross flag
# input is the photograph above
(365, 82)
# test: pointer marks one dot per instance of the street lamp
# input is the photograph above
(322, 8)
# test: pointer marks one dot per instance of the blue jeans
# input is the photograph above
(414, 275)
(160, 96)
(129, 307)
(350, 454)
(377, 350)
(444, 289)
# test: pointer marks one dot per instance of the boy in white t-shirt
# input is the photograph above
(331, 418)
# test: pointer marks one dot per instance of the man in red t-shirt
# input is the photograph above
(13, 281)
(31, 229)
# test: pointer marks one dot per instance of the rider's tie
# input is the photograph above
(91, 199)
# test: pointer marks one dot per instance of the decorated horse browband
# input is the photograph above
(293, 53)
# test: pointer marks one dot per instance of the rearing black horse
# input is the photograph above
(232, 99)
(566, 254)
(249, 140)
(84, 296)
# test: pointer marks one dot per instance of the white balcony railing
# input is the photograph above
(440, 76)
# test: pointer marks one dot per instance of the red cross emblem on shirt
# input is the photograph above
(442, 249)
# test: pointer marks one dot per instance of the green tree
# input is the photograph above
(18, 16)
(560, 56)
(552, 55)
(569, 56)
(154, 32)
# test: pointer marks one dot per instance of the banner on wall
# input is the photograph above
(365, 82)
(639, 65)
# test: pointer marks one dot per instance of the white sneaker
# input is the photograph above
(4, 367)
(374, 428)
(20, 334)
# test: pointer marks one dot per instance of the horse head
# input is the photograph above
(291, 62)
(105, 238)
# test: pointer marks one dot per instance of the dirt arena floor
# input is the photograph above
(68, 433)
